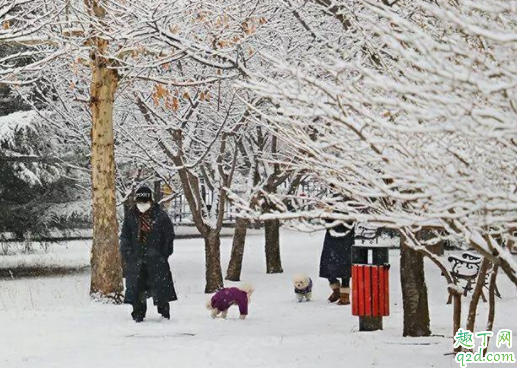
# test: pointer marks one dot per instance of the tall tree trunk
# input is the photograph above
(239, 240)
(158, 195)
(214, 275)
(456, 319)
(491, 304)
(272, 236)
(414, 292)
(106, 278)
(478, 290)
(106, 275)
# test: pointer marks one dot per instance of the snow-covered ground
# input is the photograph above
(73, 254)
(50, 322)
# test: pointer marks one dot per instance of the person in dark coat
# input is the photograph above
(336, 261)
(146, 243)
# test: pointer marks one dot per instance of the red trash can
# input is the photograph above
(370, 286)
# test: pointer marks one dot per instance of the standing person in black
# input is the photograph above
(146, 243)
(336, 260)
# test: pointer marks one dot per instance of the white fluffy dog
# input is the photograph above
(302, 287)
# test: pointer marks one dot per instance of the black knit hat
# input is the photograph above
(144, 194)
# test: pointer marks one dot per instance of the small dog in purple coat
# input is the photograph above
(223, 299)
(302, 287)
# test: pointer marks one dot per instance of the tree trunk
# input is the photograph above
(491, 304)
(106, 277)
(214, 275)
(478, 290)
(456, 324)
(158, 195)
(239, 240)
(273, 259)
(437, 249)
(414, 292)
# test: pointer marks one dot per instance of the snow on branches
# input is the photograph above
(411, 117)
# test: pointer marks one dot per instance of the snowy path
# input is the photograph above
(50, 322)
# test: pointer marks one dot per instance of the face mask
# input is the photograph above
(142, 207)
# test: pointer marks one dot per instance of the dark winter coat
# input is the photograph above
(336, 258)
(153, 255)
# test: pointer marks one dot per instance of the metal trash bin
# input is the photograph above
(370, 285)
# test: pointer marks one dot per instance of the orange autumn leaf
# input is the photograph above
(248, 28)
(161, 91)
(175, 103)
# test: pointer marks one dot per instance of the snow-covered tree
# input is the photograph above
(411, 118)
(38, 189)
(41, 188)
(187, 117)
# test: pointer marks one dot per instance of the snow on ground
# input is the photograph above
(50, 322)
(73, 254)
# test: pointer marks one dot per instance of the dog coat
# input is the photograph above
(224, 298)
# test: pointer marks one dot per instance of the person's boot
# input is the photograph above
(137, 316)
(334, 297)
(138, 313)
(166, 314)
(344, 297)
(164, 310)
